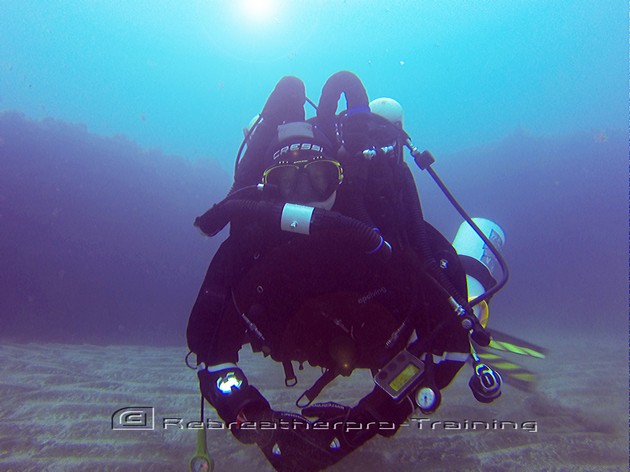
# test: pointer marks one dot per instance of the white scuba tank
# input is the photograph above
(389, 109)
(468, 243)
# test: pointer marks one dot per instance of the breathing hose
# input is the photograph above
(297, 219)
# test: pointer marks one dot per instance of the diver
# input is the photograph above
(329, 261)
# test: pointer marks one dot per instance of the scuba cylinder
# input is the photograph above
(468, 243)
(389, 109)
(479, 262)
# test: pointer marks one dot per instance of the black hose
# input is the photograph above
(285, 104)
(311, 103)
(420, 238)
(351, 86)
(429, 264)
(250, 131)
(286, 101)
(343, 82)
(504, 268)
(220, 214)
(366, 238)
(217, 217)
(424, 160)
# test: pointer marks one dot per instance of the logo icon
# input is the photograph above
(138, 418)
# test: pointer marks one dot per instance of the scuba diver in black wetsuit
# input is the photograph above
(329, 261)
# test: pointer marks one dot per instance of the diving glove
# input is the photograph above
(239, 404)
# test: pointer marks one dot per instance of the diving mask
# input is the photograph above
(306, 180)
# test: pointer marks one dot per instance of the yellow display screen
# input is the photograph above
(401, 379)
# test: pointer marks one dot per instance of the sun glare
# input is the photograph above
(259, 11)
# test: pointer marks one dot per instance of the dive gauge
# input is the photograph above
(427, 399)
(400, 375)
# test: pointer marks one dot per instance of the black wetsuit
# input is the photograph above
(317, 299)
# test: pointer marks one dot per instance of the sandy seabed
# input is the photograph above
(57, 402)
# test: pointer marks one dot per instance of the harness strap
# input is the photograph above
(319, 385)
(290, 380)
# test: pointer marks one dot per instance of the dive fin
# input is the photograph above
(505, 342)
(512, 373)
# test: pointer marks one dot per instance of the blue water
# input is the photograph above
(187, 77)
(119, 123)
(523, 103)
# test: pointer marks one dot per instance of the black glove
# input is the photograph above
(298, 444)
(376, 413)
(240, 405)
(339, 429)
(288, 440)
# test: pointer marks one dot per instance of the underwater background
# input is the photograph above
(119, 124)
